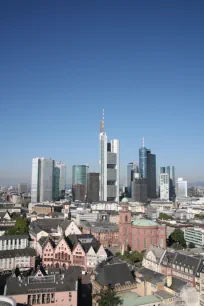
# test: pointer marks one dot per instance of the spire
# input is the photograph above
(102, 123)
(143, 141)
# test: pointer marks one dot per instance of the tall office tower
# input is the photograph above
(55, 186)
(109, 167)
(42, 179)
(147, 166)
(62, 178)
(172, 183)
(181, 188)
(164, 186)
(93, 187)
(129, 179)
(22, 188)
(139, 190)
(132, 173)
(79, 182)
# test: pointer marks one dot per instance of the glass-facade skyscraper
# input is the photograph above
(129, 179)
(79, 181)
(79, 174)
(42, 180)
(147, 166)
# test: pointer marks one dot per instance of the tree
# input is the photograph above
(191, 245)
(108, 297)
(21, 227)
(164, 216)
(177, 237)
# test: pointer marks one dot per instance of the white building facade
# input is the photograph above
(109, 167)
(181, 188)
(164, 186)
(42, 180)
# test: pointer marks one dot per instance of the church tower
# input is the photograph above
(125, 226)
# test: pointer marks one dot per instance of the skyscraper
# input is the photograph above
(109, 167)
(132, 173)
(181, 188)
(93, 187)
(164, 186)
(42, 179)
(79, 181)
(139, 190)
(172, 183)
(147, 166)
(62, 178)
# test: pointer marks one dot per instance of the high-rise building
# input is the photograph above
(62, 178)
(172, 182)
(42, 180)
(109, 167)
(132, 173)
(22, 188)
(55, 187)
(139, 190)
(79, 181)
(93, 187)
(164, 186)
(151, 175)
(129, 179)
(147, 166)
(181, 188)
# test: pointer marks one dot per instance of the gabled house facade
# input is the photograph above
(153, 258)
(75, 250)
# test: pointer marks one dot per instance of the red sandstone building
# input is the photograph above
(139, 234)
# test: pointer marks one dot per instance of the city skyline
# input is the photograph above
(141, 62)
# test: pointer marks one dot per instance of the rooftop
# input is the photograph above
(66, 281)
(144, 222)
(132, 299)
(17, 253)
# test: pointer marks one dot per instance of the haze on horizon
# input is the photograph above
(62, 63)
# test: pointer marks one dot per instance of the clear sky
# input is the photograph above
(62, 62)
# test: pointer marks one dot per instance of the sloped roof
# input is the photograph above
(117, 272)
(157, 251)
(43, 241)
(85, 240)
(189, 262)
(65, 224)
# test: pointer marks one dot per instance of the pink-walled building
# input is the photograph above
(75, 250)
(57, 289)
(139, 234)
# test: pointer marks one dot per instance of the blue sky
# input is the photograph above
(62, 62)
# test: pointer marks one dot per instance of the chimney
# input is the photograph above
(169, 280)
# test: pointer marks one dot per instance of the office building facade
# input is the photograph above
(93, 187)
(139, 190)
(109, 167)
(172, 181)
(42, 180)
(62, 178)
(181, 188)
(164, 186)
(129, 179)
(79, 182)
(147, 167)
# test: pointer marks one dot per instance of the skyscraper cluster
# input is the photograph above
(141, 180)
(49, 177)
